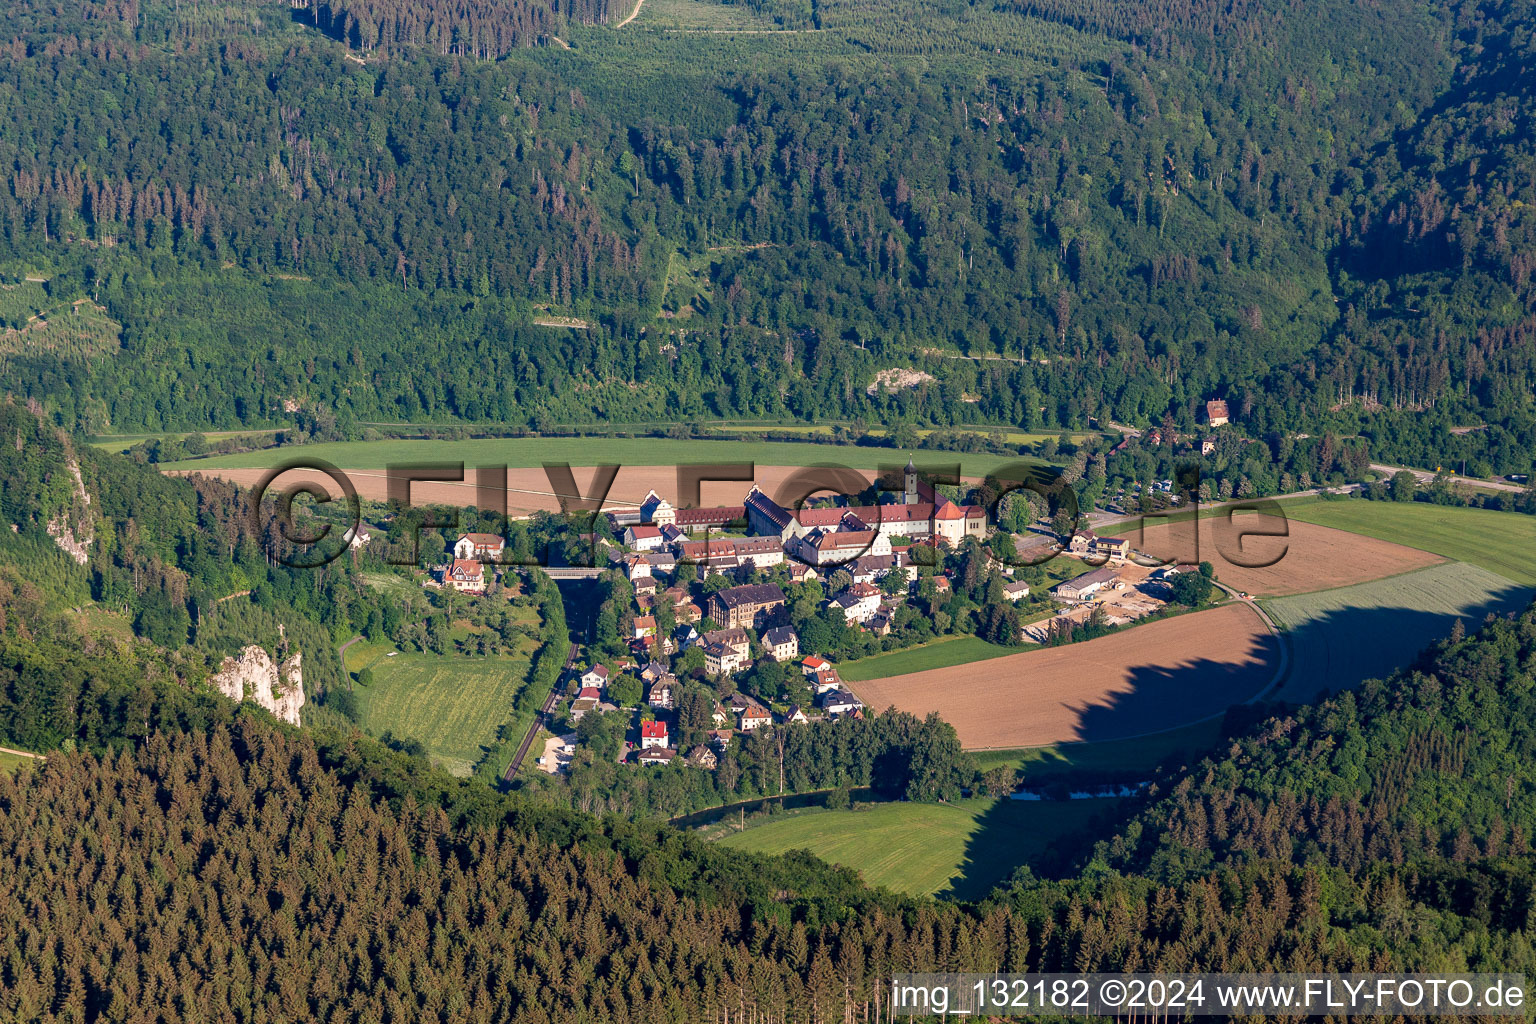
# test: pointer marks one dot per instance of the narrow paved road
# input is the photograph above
(539, 720)
(1425, 476)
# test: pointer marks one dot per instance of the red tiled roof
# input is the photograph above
(468, 567)
(714, 514)
(653, 730)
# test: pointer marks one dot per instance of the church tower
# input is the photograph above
(909, 484)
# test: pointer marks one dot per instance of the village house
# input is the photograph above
(1086, 542)
(754, 605)
(839, 702)
(655, 755)
(643, 538)
(466, 575)
(813, 663)
(797, 715)
(799, 572)
(721, 738)
(879, 623)
(645, 625)
(859, 602)
(873, 568)
(723, 660)
(646, 585)
(685, 636)
(661, 563)
(596, 676)
(755, 717)
(826, 679)
(781, 644)
(1080, 588)
(659, 695)
(1018, 590)
(702, 757)
(653, 734)
(1216, 413)
(479, 545)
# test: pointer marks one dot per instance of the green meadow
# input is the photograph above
(960, 850)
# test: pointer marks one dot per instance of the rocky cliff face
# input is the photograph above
(255, 676)
(72, 529)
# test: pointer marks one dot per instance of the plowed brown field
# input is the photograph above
(1141, 680)
(529, 490)
(1308, 558)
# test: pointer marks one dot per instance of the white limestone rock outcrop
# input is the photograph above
(255, 676)
(72, 529)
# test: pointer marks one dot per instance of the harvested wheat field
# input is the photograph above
(529, 490)
(1141, 680)
(1306, 558)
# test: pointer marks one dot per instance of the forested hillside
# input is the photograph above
(323, 874)
(1315, 211)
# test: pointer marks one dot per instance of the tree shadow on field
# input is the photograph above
(1333, 651)
(1342, 647)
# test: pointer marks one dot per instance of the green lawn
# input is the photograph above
(527, 452)
(960, 849)
(11, 762)
(1339, 637)
(1501, 542)
(937, 654)
(451, 703)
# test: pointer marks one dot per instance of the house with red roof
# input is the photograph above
(653, 734)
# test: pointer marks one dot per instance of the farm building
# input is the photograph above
(1080, 588)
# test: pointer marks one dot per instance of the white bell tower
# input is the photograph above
(909, 484)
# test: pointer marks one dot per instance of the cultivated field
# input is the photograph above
(529, 490)
(962, 850)
(1501, 542)
(532, 452)
(645, 464)
(1137, 681)
(1305, 557)
(938, 654)
(452, 704)
(1339, 637)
